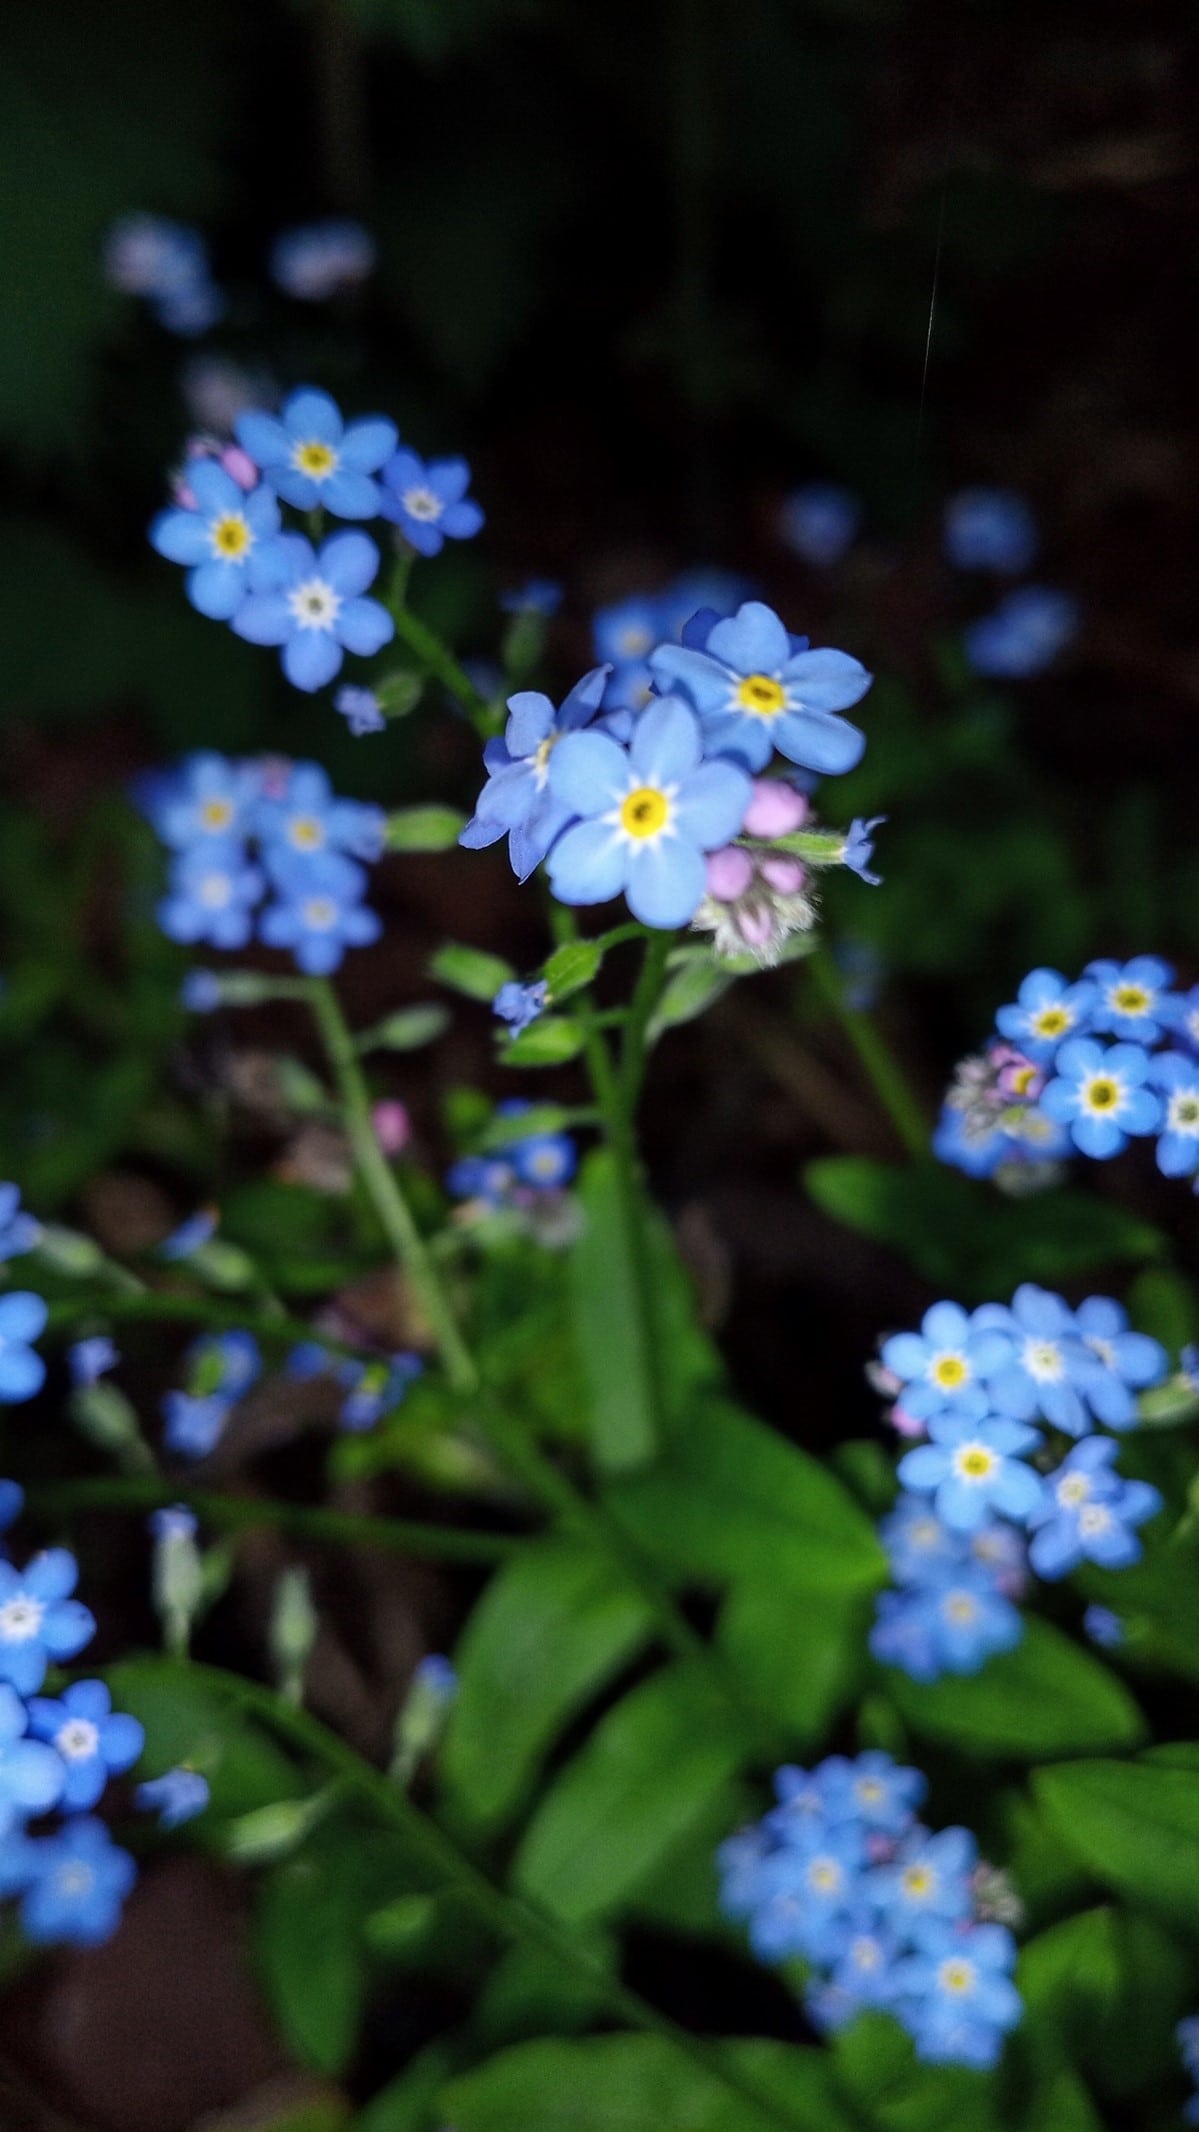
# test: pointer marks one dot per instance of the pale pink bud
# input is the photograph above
(905, 1424)
(393, 1126)
(775, 809)
(755, 925)
(785, 876)
(730, 872)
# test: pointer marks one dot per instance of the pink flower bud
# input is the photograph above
(756, 925)
(785, 876)
(905, 1424)
(775, 809)
(239, 466)
(393, 1126)
(730, 872)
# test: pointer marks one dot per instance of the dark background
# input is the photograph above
(649, 266)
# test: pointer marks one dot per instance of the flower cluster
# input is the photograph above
(270, 583)
(320, 259)
(988, 1495)
(994, 530)
(265, 845)
(625, 633)
(57, 1755)
(517, 1175)
(661, 804)
(219, 1369)
(166, 263)
(886, 1915)
(1083, 1065)
(371, 1387)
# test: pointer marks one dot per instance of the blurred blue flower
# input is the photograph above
(194, 1423)
(205, 799)
(93, 1741)
(951, 1626)
(1103, 1627)
(221, 539)
(175, 1797)
(212, 890)
(859, 848)
(1122, 1362)
(1177, 1076)
(191, 1235)
(1024, 635)
(22, 1371)
(31, 1774)
(1132, 999)
(1049, 1365)
(946, 1362)
(1088, 1513)
(973, 1468)
(754, 692)
(820, 522)
(40, 1623)
(538, 595)
(360, 709)
(79, 1882)
(517, 800)
(89, 1360)
(318, 259)
(306, 819)
(316, 610)
(19, 1230)
(961, 1985)
(319, 912)
(427, 500)
(316, 460)
(990, 529)
(1047, 1009)
(520, 1005)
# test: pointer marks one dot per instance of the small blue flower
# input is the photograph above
(427, 500)
(1103, 1627)
(517, 800)
(306, 819)
(149, 255)
(946, 1362)
(649, 815)
(227, 1363)
(1122, 1363)
(176, 1797)
(977, 1152)
(211, 895)
(960, 1999)
(89, 1360)
(538, 595)
(1046, 1011)
(489, 1178)
(873, 1790)
(520, 1005)
(316, 610)
(1049, 1365)
(1132, 999)
(31, 1775)
(206, 799)
(1100, 1094)
(754, 692)
(929, 1880)
(319, 912)
(200, 992)
(39, 1620)
(19, 1231)
(625, 633)
(974, 1467)
(79, 1883)
(951, 1626)
(319, 259)
(859, 848)
(544, 1161)
(1177, 1076)
(1181, 1010)
(1024, 635)
(315, 460)
(1088, 1514)
(221, 538)
(194, 1423)
(807, 1889)
(22, 1371)
(94, 1741)
(820, 522)
(990, 529)
(375, 1389)
(360, 709)
(919, 1548)
(191, 1235)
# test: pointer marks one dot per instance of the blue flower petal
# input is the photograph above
(587, 864)
(666, 882)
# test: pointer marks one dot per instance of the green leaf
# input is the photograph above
(572, 966)
(1046, 1697)
(1163, 1302)
(539, 1118)
(406, 1030)
(731, 1495)
(644, 2084)
(645, 1775)
(964, 1235)
(878, 2068)
(530, 1991)
(186, 1721)
(552, 1628)
(693, 986)
(1104, 1989)
(432, 828)
(615, 1342)
(1135, 1826)
(407, 2103)
(798, 1652)
(399, 692)
(551, 1040)
(471, 971)
(307, 1944)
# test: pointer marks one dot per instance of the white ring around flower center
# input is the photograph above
(21, 1618)
(1043, 1361)
(421, 504)
(314, 604)
(77, 1740)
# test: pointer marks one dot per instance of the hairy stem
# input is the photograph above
(883, 1071)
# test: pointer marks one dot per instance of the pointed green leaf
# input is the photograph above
(1046, 1697)
(1135, 1826)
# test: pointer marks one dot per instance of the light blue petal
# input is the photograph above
(924, 1468)
(1101, 1138)
(349, 494)
(311, 413)
(694, 673)
(826, 680)
(589, 774)
(530, 721)
(368, 442)
(817, 741)
(350, 561)
(711, 805)
(181, 536)
(364, 626)
(666, 742)
(946, 1325)
(753, 641)
(587, 864)
(296, 488)
(217, 589)
(462, 520)
(264, 438)
(906, 1353)
(311, 658)
(215, 491)
(1016, 1490)
(666, 882)
(264, 618)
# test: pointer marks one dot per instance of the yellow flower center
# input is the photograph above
(315, 459)
(1052, 1021)
(974, 1462)
(216, 814)
(1074, 1489)
(761, 696)
(1023, 1079)
(645, 812)
(957, 1976)
(917, 1881)
(1102, 1093)
(230, 535)
(824, 1875)
(950, 1371)
(1131, 999)
(960, 1607)
(307, 833)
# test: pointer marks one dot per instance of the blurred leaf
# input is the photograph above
(529, 1992)
(572, 966)
(877, 2065)
(1163, 1302)
(1104, 1988)
(552, 1040)
(189, 1722)
(552, 1628)
(406, 1030)
(692, 987)
(964, 1235)
(611, 1302)
(308, 1949)
(797, 1651)
(407, 2104)
(643, 2084)
(731, 1495)
(429, 828)
(469, 970)
(1046, 1697)
(645, 1775)
(1135, 1827)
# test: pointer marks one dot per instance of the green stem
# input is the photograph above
(168, 1306)
(399, 1225)
(334, 1528)
(645, 998)
(882, 1069)
(512, 1918)
(435, 657)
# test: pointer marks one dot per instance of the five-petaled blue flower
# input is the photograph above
(1122, 1362)
(1046, 1011)
(221, 539)
(946, 1362)
(1049, 1365)
(306, 818)
(319, 912)
(1177, 1076)
(517, 800)
(22, 1371)
(951, 1625)
(19, 1231)
(314, 459)
(1132, 999)
(755, 692)
(649, 813)
(974, 1467)
(31, 1775)
(212, 891)
(427, 500)
(94, 1740)
(316, 610)
(1100, 1094)
(1087, 1513)
(989, 529)
(39, 1620)
(960, 1982)
(79, 1882)
(1024, 635)
(859, 848)
(175, 1797)
(520, 1005)
(207, 799)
